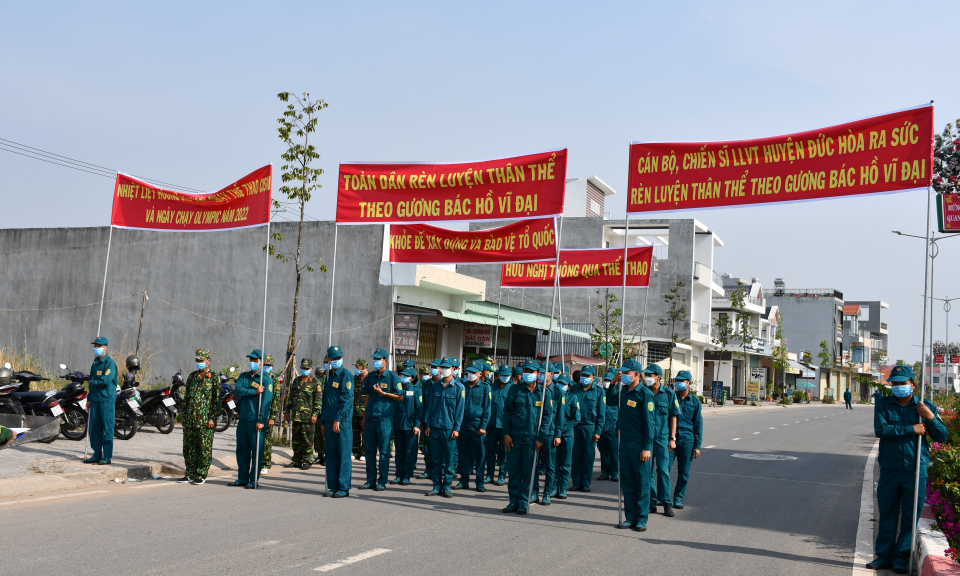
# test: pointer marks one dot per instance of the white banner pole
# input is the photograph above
(263, 357)
(333, 282)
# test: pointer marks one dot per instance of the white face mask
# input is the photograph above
(649, 380)
(446, 372)
(472, 376)
(605, 384)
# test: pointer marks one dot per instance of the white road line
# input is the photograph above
(864, 549)
(352, 560)
(797, 422)
(54, 497)
(807, 420)
(153, 485)
(734, 438)
(775, 428)
(711, 446)
(786, 424)
(756, 432)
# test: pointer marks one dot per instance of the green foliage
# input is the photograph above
(743, 329)
(676, 313)
(901, 363)
(799, 396)
(825, 355)
(829, 400)
(780, 360)
(607, 330)
(946, 160)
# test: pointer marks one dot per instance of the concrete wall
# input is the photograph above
(579, 305)
(807, 321)
(218, 275)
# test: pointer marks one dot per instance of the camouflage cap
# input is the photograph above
(203, 353)
(306, 363)
(268, 361)
(361, 362)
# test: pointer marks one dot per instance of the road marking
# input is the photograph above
(864, 549)
(797, 422)
(756, 432)
(352, 560)
(153, 485)
(786, 424)
(54, 497)
(807, 420)
(735, 438)
(775, 428)
(711, 447)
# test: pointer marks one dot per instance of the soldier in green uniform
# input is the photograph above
(406, 427)
(201, 407)
(101, 403)
(274, 414)
(6, 435)
(255, 392)
(689, 435)
(587, 432)
(319, 440)
(494, 452)
(664, 439)
(609, 445)
(847, 398)
(304, 401)
(336, 412)
(522, 437)
(635, 423)
(897, 421)
(384, 391)
(427, 394)
(359, 406)
(568, 413)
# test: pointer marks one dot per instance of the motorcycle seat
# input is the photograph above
(30, 397)
(150, 393)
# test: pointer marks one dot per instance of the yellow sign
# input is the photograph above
(753, 390)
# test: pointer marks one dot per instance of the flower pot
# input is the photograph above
(738, 401)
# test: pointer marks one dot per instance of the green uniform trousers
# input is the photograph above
(443, 448)
(249, 451)
(339, 465)
(564, 461)
(494, 454)
(519, 467)
(894, 495)
(635, 484)
(660, 475)
(609, 446)
(683, 455)
(470, 455)
(268, 449)
(319, 445)
(376, 439)
(584, 455)
(405, 445)
(548, 459)
(197, 451)
(303, 437)
(102, 418)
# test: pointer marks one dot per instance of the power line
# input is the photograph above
(74, 164)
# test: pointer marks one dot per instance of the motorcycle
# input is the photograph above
(36, 403)
(156, 406)
(127, 414)
(227, 407)
(72, 398)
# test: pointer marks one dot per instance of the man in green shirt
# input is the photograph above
(201, 408)
(101, 402)
(254, 390)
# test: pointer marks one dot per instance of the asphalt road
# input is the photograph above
(742, 516)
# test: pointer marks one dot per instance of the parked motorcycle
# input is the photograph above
(227, 405)
(36, 403)
(8, 404)
(156, 406)
(72, 398)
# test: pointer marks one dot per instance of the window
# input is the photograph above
(936, 379)
(595, 207)
(657, 351)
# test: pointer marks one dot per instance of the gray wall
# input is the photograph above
(807, 321)
(215, 274)
(579, 305)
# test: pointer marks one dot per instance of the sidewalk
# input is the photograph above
(731, 408)
(38, 467)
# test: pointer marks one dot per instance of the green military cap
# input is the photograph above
(268, 361)
(517, 370)
(100, 341)
(409, 364)
(203, 354)
(652, 369)
(255, 355)
(506, 370)
(900, 374)
(411, 372)
(447, 362)
(610, 375)
(473, 369)
(588, 371)
(531, 365)
(334, 352)
(436, 363)
(684, 375)
(306, 363)
(380, 354)
(634, 366)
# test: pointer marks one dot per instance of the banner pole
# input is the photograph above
(333, 283)
(143, 307)
(923, 379)
(543, 397)
(496, 333)
(263, 343)
(623, 325)
(560, 311)
(103, 292)
(643, 319)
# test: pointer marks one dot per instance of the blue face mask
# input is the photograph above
(434, 372)
(625, 379)
(254, 366)
(304, 372)
(377, 364)
(585, 380)
(201, 365)
(405, 379)
(426, 377)
(504, 379)
(529, 377)
(356, 371)
(902, 390)
(268, 369)
(540, 379)
(562, 387)
(99, 351)
(681, 386)
(336, 364)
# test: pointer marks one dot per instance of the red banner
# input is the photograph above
(948, 212)
(521, 241)
(888, 153)
(142, 206)
(938, 358)
(594, 268)
(521, 187)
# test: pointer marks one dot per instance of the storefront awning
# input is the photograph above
(677, 366)
(796, 367)
(475, 318)
(522, 317)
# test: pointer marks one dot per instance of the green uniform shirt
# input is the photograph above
(247, 397)
(305, 399)
(521, 411)
(636, 417)
(201, 399)
(103, 380)
(666, 404)
(893, 425)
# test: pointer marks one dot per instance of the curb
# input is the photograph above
(930, 549)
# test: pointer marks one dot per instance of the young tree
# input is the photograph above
(825, 355)
(606, 331)
(299, 177)
(676, 314)
(780, 360)
(743, 328)
(722, 332)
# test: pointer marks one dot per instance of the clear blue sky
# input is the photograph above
(186, 93)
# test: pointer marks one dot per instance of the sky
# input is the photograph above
(187, 93)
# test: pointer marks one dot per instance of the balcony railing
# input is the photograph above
(804, 292)
(701, 328)
(728, 292)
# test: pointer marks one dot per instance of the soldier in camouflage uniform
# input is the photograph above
(201, 407)
(305, 402)
(359, 406)
(319, 443)
(274, 412)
